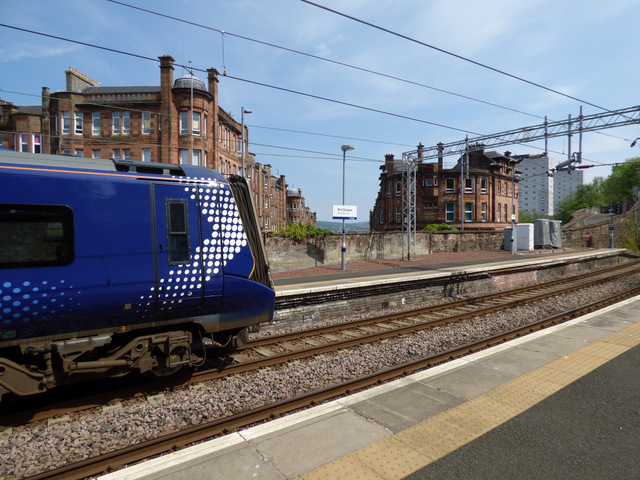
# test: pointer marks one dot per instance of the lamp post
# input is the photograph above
(514, 238)
(244, 110)
(344, 148)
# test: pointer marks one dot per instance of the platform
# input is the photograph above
(420, 271)
(561, 403)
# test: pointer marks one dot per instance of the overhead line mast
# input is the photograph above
(543, 131)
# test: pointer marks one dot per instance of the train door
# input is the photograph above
(178, 280)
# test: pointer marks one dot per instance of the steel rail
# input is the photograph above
(178, 381)
(178, 440)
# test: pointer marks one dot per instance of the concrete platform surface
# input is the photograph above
(560, 403)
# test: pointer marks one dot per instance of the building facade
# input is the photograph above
(485, 196)
(566, 181)
(178, 121)
(536, 186)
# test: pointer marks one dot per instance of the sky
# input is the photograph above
(315, 80)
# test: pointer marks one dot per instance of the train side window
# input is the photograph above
(177, 232)
(36, 236)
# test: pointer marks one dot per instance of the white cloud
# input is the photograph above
(27, 51)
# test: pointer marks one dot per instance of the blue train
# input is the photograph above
(108, 267)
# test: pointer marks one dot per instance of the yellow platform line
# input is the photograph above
(403, 453)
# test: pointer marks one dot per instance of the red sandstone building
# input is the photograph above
(176, 122)
(489, 199)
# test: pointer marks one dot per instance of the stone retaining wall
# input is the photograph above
(285, 255)
(371, 301)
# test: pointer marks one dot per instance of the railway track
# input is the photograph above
(280, 349)
(174, 441)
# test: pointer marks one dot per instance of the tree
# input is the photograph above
(618, 186)
(525, 216)
(583, 197)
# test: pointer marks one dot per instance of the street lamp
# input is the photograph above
(633, 144)
(514, 238)
(344, 148)
(244, 110)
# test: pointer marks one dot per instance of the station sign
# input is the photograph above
(345, 212)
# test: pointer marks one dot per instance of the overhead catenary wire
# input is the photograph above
(253, 82)
(318, 57)
(223, 33)
(455, 55)
(106, 142)
(155, 60)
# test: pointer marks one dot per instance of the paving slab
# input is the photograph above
(470, 380)
(416, 403)
(302, 447)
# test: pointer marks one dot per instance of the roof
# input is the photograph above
(30, 109)
(121, 89)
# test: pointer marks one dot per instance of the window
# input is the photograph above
(184, 156)
(35, 236)
(468, 212)
(79, 152)
(428, 182)
(36, 142)
(483, 185)
(78, 123)
(506, 213)
(177, 232)
(95, 123)
(398, 213)
(381, 221)
(184, 123)
(124, 154)
(126, 123)
(146, 154)
(24, 142)
(196, 157)
(499, 212)
(146, 123)
(66, 122)
(196, 123)
(204, 125)
(398, 189)
(468, 185)
(266, 202)
(451, 185)
(450, 212)
(483, 212)
(117, 123)
(96, 153)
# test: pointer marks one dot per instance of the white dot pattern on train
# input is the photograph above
(223, 237)
(29, 300)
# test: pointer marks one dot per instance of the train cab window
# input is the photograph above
(177, 232)
(36, 236)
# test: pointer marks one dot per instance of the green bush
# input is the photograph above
(301, 231)
(436, 227)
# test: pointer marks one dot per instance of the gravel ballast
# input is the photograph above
(37, 447)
